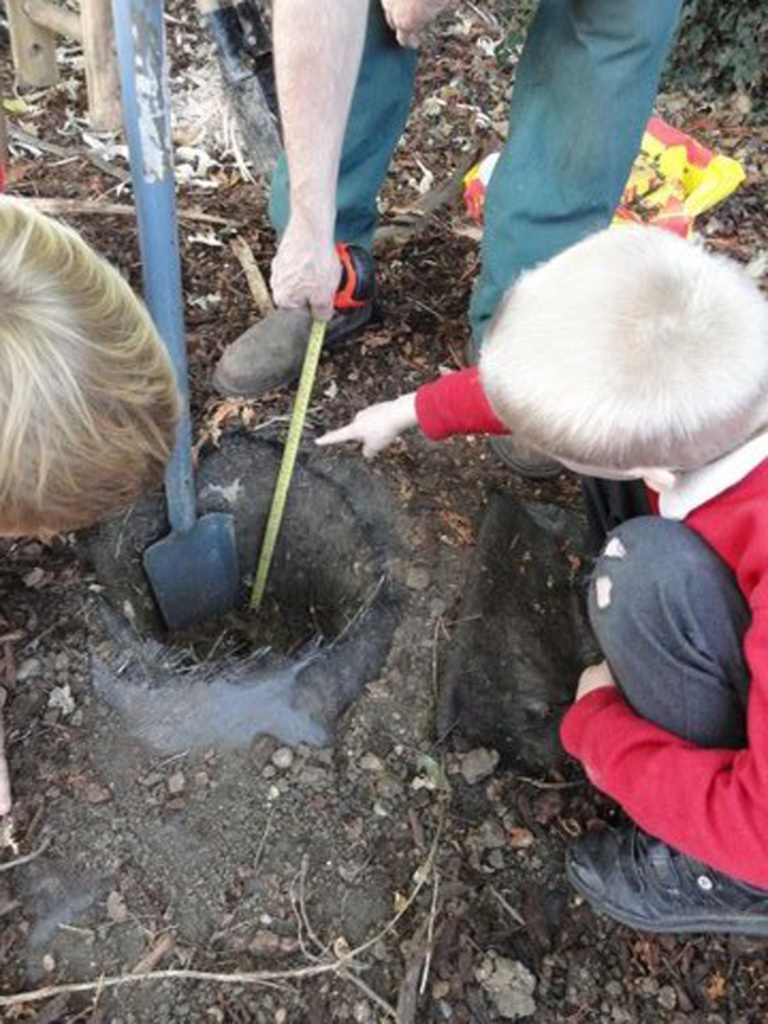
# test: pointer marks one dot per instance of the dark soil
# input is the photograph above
(214, 859)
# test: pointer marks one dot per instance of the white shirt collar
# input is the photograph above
(701, 485)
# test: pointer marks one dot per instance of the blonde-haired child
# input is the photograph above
(88, 400)
(641, 362)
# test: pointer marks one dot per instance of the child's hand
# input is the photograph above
(594, 678)
(377, 426)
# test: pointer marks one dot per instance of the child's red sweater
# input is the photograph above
(711, 804)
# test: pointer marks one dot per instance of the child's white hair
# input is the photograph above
(631, 348)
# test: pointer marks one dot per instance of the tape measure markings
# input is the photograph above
(291, 450)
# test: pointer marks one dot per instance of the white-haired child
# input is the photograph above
(88, 400)
(634, 357)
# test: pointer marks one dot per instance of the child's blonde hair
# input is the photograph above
(632, 348)
(88, 401)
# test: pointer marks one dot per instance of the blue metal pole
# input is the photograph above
(141, 52)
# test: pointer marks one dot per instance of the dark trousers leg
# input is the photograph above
(584, 89)
(608, 504)
(670, 620)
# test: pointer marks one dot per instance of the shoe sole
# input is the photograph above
(737, 925)
(353, 324)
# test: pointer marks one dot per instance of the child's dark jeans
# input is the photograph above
(670, 619)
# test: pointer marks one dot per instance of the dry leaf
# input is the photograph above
(520, 838)
(714, 987)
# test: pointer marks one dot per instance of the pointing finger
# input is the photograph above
(347, 433)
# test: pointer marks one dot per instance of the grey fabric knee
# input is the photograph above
(670, 619)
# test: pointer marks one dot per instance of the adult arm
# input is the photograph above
(318, 46)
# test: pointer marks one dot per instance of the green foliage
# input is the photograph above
(721, 46)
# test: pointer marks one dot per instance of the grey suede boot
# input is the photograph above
(271, 352)
(518, 457)
(524, 460)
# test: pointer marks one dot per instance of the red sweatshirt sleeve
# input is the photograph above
(456, 404)
(711, 804)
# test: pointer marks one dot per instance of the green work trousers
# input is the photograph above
(583, 92)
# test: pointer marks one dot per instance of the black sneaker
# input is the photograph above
(643, 883)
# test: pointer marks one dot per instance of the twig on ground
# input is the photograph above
(161, 949)
(340, 963)
(424, 210)
(299, 905)
(514, 914)
(430, 934)
(32, 142)
(374, 996)
(408, 996)
(80, 207)
(54, 1011)
(541, 784)
(253, 275)
(263, 840)
(27, 857)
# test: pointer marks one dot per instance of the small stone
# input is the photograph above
(49, 964)
(34, 578)
(478, 764)
(388, 787)
(417, 578)
(282, 758)
(281, 1016)
(496, 860)
(509, 984)
(116, 908)
(61, 661)
(153, 779)
(621, 1016)
(28, 668)
(362, 1013)
(262, 749)
(62, 700)
(315, 776)
(520, 838)
(369, 762)
(488, 836)
(648, 986)
(441, 989)
(96, 794)
(176, 783)
(269, 771)
(667, 997)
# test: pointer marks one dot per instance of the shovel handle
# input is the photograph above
(141, 52)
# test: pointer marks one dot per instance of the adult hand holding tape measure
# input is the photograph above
(355, 290)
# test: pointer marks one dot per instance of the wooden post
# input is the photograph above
(101, 72)
(33, 49)
(55, 18)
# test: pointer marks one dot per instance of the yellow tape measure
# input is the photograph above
(291, 450)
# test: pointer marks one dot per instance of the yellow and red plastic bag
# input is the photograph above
(673, 180)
